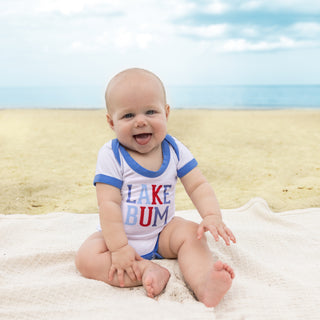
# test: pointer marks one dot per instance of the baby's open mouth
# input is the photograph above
(142, 138)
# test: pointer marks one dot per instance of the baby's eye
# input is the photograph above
(128, 116)
(150, 112)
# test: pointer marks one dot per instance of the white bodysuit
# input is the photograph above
(147, 196)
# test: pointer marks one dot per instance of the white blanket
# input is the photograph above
(276, 260)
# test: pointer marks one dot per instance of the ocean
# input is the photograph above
(179, 97)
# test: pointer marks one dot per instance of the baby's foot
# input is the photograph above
(154, 279)
(218, 283)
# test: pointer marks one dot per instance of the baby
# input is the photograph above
(135, 183)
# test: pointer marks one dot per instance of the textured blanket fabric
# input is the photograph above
(276, 260)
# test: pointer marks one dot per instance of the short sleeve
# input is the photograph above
(186, 161)
(108, 170)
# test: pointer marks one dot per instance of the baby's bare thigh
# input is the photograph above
(93, 258)
(174, 234)
(94, 244)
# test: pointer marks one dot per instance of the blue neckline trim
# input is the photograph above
(115, 149)
(145, 172)
(173, 144)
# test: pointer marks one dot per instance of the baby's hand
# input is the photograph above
(125, 260)
(216, 226)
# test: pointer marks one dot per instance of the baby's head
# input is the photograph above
(137, 109)
(134, 78)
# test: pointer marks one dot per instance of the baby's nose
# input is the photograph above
(140, 121)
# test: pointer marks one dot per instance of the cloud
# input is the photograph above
(307, 29)
(181, 35)
(306, 6)
(217, 7)
(121, 39)
(125, 38)
(204, 32)
(95, 25)
(254, 25)
(242, 45)
(76, 7)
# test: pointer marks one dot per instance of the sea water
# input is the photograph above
(210, 97)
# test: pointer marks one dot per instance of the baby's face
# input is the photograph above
(137, 111)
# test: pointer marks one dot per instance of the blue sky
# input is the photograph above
(85, 42)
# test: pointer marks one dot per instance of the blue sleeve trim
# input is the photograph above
(187, 168)
(173, 144)
(101, 178)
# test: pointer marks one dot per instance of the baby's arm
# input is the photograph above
(123, 256)
(204, 199)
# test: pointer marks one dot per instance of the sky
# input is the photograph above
(185, 42)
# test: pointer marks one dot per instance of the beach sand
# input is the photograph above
(48, 157)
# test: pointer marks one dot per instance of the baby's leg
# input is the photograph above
(93, 260)
(209, 280)
(154, 278)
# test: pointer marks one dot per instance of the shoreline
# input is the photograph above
(215, 108)
(49, 156)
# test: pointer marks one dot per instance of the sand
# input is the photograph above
(48, 157)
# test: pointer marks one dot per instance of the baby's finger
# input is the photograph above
(200, 232)
(138, 258)
(231, 235)
(131, 274)
(224, 236)
(111, 273)
(137, 271)
(121, 277)
(213, 230)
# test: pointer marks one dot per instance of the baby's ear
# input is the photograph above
(167, 109)
(110, 121)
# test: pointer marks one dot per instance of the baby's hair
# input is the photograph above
(122, 73)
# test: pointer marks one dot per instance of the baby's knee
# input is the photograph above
(191, 227)
(82, 262)
(189, 230)
(85, 262)
(88, 257)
